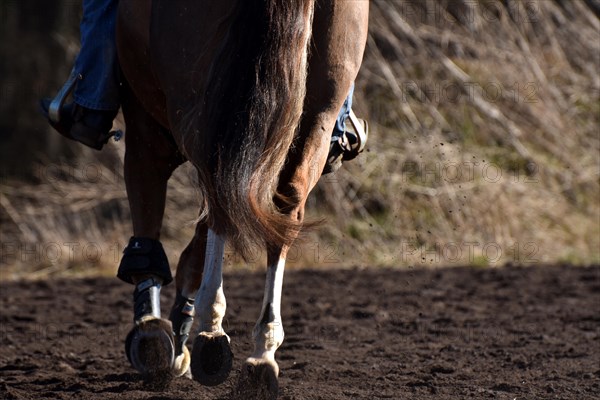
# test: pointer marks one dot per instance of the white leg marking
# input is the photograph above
(210, 301)
(268, 331)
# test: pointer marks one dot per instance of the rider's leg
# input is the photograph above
(96, 64)
(95, 77)
(340, 124)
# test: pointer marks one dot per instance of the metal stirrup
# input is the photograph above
(360, 131)
(58, 101)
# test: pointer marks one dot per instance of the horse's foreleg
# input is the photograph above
(211, 357)
(149, 161)
(187, 280)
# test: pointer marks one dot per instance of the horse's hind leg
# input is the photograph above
(339, 36)
(259, 375)
(150, 159)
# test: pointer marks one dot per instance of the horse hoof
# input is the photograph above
(211, 359)
(182, 363)
(150, 349)
(258, 380)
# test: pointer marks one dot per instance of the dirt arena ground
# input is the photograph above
(510, 333)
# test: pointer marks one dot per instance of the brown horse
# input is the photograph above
(248, 91)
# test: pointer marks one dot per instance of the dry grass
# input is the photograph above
(485, 142)
(484, 150)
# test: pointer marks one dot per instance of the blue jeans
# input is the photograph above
(340, 123)
(98, 65)
(97, 60)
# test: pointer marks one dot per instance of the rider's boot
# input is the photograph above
(87, 126)
(349, 145)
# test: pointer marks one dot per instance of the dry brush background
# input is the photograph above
(484, 146)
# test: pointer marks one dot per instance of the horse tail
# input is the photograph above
(252, 105)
